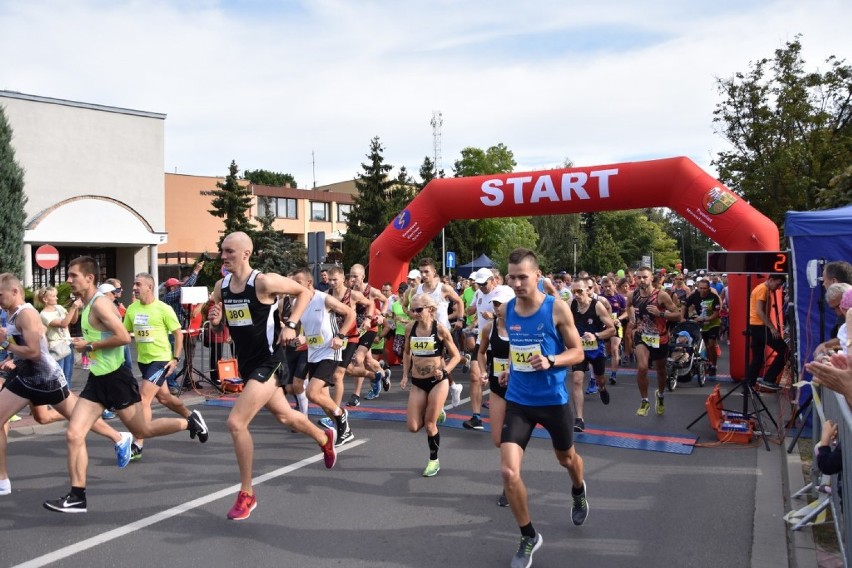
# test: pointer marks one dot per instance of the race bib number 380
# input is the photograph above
(238, 314)
(522, 355)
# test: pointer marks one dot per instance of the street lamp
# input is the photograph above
(575, 256)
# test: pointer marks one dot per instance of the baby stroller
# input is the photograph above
(685, 361)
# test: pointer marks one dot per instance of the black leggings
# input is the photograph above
(761, 338)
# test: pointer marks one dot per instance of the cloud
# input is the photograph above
(267, 83)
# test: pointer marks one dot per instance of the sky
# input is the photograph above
(303, 86)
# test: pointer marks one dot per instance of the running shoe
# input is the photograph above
(604, 394)
(579, 425)
(328, 451)
(5, 487)
(135, 452)
(766, 386)
(442, 417)
(386, 380)
(466, 364)
(455, 394)
(579, 507)
(660, 404)
(475, 423)
(711, 370)
(197, 426)
(593, 387)
(243, 506)
(432, 468)
(107, 414)
(375, 391)
(354, 400)
(68, 504)
(347, 436)
(643, 408)
(612, 380)
(326, 423)
(122, 450)
(524, 555)
(14, 418)
(502, 500)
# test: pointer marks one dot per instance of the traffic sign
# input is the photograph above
(47, 256)
(451, 259)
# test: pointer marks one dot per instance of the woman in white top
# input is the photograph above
(56, 320)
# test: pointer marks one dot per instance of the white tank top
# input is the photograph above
(441, 314)
(319, 326)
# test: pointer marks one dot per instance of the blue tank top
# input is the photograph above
(528, 336)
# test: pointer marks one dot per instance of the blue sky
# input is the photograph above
(268, 83)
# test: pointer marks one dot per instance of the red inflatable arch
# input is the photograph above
(676, 183)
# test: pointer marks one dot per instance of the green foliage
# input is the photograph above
(477, 162)
(789, 130)
(604, 256)
(634, 234)
(12, 213)
(693, 243)
(839, 191)
(372, 210)
(232, 201)
(266, 177)
(500, 236)
(273, 251)
(556, 244)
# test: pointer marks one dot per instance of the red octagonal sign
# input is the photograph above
(47, 256)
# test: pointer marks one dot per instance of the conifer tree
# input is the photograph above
(232, 202)
(12, 213)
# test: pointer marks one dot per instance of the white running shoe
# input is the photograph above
(455, 394)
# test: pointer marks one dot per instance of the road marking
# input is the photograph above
(67, 551)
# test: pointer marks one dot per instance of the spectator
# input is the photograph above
(172, 294)
(56, 320)
(765, 333)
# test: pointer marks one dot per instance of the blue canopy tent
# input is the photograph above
(821, 236)
(465, 270)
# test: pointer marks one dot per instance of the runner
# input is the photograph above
(619, 319)
(483, 308)
(246, 300)
(493, 357)
(594, 324)
(110, 385)
(703, 306)
(650, 309)
(151, 322)
(36, 378)
(425, 345)
(363, 363)
(544, 342)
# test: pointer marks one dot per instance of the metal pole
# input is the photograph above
(575, 257)
(443, 254)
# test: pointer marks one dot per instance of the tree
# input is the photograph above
(502, 235)
(839, 190)
(266, 177)
(274, 251)
(789, 129)
(12, 214)
(232, 201)
(604, 256)
(371, 211)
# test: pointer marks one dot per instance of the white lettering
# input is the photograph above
(519, 187)
(574, 182)
(492, 188)
(544, 189)
(603, 182)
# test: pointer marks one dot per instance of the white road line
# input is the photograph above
(103, 538)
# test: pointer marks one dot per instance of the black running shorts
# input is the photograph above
(521, 420)
(116, 391)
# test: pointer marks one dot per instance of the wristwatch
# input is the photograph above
(4, 345)
(340, 335)
(89, 348)
(552, 360)
(291, 324)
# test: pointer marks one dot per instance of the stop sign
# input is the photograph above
(47, 256)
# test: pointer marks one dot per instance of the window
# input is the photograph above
(281, 207)
(319, 211)
(343, 211)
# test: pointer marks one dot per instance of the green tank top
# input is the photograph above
(103, 361)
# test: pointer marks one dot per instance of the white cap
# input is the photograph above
(503, 294)
(690, 283)
(414, 273)
(482, 275)
(106, 288)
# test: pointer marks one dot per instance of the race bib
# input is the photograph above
(143, 333)
(590, 344)
(238, 314)
(651, 340)
(522, 355)
(500, 366)
(314, 341)
(423, 346)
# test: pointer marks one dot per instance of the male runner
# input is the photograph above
(650, 309)
(704, 307)
(543, 344)
(151, 321)
(619, 319)
(363, 363)
(483, 308)
(110, 385)
(246, 301)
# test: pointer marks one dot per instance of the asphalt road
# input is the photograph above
(654, 508)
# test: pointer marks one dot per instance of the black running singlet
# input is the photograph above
(254, 326)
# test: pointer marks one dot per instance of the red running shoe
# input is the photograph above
(328, 450)
(243, 506)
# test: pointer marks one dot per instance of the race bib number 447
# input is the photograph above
(522, 356)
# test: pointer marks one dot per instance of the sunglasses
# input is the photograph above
(117, 290)
(420, 309)
(579, 291)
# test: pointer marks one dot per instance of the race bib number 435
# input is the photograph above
(522, 355)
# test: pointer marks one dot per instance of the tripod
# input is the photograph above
(188, 377)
